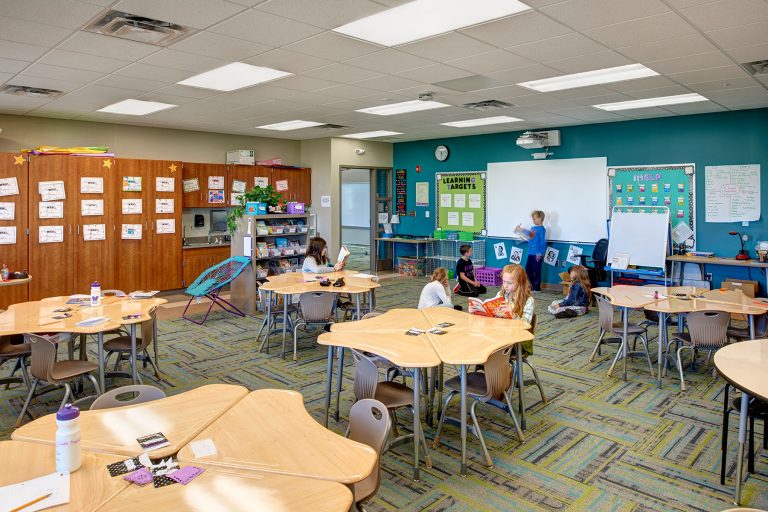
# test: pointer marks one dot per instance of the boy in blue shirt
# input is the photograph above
(537, 246)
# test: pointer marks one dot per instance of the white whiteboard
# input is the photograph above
(572, 193)
(356, 205)
(732, 193)
(642, 235)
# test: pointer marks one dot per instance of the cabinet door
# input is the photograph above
(51, 240)
(298, 182)
(239, 173)
(166, 259)
(201, 172)
(15, 255)
(94, 242)
(134, 259)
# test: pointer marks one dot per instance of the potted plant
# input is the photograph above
(267, 195)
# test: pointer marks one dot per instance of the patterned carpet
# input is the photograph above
(600, 444)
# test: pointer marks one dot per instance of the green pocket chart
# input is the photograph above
(460, 201)
(673, 186)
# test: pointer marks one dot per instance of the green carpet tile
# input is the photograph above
(599, 444)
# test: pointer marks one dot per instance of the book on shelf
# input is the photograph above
(262, 250)
(281, 242)
(489, 307)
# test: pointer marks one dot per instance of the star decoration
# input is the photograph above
(18, 160)
(172, 167)
(107, 164)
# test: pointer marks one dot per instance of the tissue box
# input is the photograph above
(241, 157)
(252, 208)
(295, 208)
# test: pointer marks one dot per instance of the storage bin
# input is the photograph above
(290, 229)
(488, 276)
(277, 230)
(438, 234)
(451, 235)
(296, 208)
(466, 236)
(253, 208)
(410, 266)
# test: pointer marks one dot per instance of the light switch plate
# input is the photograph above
(426, 213)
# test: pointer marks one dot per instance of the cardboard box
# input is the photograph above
(565, 280)
(748, 287)
(241, 157)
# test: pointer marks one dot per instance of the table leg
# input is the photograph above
(338, 382)
(440, 390)
(154, 339)
(520, 384)
(661, 341)
(134, 364)
(431, 395)
(743, 414)
(100, 355)
(285, 321)
(416, 422)
(357, 303)
(463, 372)
(625, 341)
(328, 380)
(751, 327)
(372, 299)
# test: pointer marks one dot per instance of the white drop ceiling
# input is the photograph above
(695, 46)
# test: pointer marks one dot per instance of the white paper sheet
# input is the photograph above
(92, 185)
(17, 495)
(445, 200)
(9, 186)
(260, 181)
(165, 184)
(7, 211)
(130, 232)
(238, 186)
(166, 226)
(383, 217)
(460, 200)
(50, 210)
(467, 218)
(93, 232)
(732, 193)
(215, 182)
(51, 190)
(550, 257)
(203, 448)
(190, 185)
(164, 205)
(515, 255)
(453, 218)
(474, 201)
(131, 206)
(574, 251)
(7, 235)
(131, 183)
(90, 207)
(234, 199)
(51, 234)
(500, 251)
(281, 185)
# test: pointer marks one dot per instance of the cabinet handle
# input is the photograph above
(78, 229)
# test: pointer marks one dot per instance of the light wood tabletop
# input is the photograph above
(215, 491)
(635, 297)
(13, 282)
(714, 260)
(394, 320)
(90, 486)
(179, 417)
(398, 347)
(474, 347)
(271, 431)
(745, 365)
(462, 320)
(301, 282)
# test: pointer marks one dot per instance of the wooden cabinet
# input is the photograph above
(201, 173)
(299, 182)
(166, 247)
(197, 260)
(15, 255)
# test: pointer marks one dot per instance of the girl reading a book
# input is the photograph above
(436, 292)
(577, 301)
(518, 301)
(316, 259)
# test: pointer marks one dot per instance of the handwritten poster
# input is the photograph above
(131, 206)
(445, 200)
(732, 193)
(9, 186)
(163, 205)
(51, 210)
(7, 211)
(238, 186)
(130, 232)
(166, 226)
(89, 207)
(460, 200)
(215, 181)
(281, 185)
(51, 234)
(190, 185)
(260, 181)
(453, 218)
(51, 190)
(131, 183)
(467, 218)
(164, 184)
(7, 235)
(93, 232)
(92, 185)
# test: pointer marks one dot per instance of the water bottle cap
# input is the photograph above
(95, 283)
(68, 412)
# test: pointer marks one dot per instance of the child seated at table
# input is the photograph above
(518, 301)
(437, 292)
(316, 259)
(577, 301)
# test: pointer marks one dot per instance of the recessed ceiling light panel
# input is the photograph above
(403, 107)
(420, 19)
(587, 78)
(371, 135)
(232, 77)
(652, 102)
(483, 121)
(290, 125)
(136, 107)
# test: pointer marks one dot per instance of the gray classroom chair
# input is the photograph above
(706, 331)
(15, 348)
(142, 394)
(513, 362)
(315, 308)
(369, 423)
(121, 345)
(609, 325)
(761, 329)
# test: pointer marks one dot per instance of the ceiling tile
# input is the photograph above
(745, 35)
(682, 4)
(749, 53)
(190, 13)
(590, 62)
(727, 14)
(330, 45)
(134, 84)
(107, 46)
(165, 97)
(285, 60)
(718, 85)
(189, 92)
(446, 46)
(62, 73)
(690, 63)
(695, 108)
(59, 13)
(389, 83)
(22, 103)
(21, 31)
(490, 62)
(525, 74)
(434, 73)
(672, 90)
(641, 31)
(142, 70)
(12, 66)
(183, 61)
(304, 83)
(20, 51)
(557, 48)
(586, 14)
(342, 73)
(708, 75)
(389, 61)
(327, 14)
(74, 60)
(583, 92)
(743, 96)
(219, 46)
(651, 82)
(518, 29)
(258, 92)
(668, 49)
(265, 28)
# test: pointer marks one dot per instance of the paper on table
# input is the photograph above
(163, 205)
(203, 448)
(51, 234)
(131, 232)
(190, 185)
(91, 207)
(7, 235)
(132, 206)
(453, 218)
(92, 185)
(238, 186)
(7, 211)
(166, 226)
(51, 190)
(362, 275)
(474, 201)
(9, 186)
(92, 232)
(50, 210)
(215, 181)
(164, 184)
(460, 200)
(94, 320)
(445, 200)
(17, 495)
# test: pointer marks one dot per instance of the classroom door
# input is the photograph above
(356, 222)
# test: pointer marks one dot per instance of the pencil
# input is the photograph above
(36, 500)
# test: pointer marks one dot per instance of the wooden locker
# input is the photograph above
(94, 259)
(134, 259)
(201, 172)
(51, 263)
(16, 256)
(166, 247)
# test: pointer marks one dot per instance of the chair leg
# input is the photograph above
(393, 416)
(423, 441)
(436, 441)
(680, 367)
(95, 384)
(596, 351)
(67, 393)
(519, 430)
(295, 341)
(24, 372)
(724, 434)
(536, 378)
(26, 402)
(751, 450)
(644, 340)
(488, 460)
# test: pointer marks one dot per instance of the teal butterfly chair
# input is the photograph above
(209, 285)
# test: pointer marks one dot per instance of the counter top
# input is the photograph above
(206, 244)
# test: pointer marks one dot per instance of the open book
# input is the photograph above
(488, 307)
(343, 255)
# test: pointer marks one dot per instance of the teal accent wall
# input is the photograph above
(738, 137)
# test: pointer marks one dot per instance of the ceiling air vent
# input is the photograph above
(756, 68)
(137, 28)
(484, 106)
(331, 126)
(29, 92)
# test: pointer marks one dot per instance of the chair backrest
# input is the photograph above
(115, 293)
(43, 357)
(218, 275)
(761, 326)
(604, 313)
(600, 253)
(366, 376)
(369, 423)
(708, 328)
(317, 306)
(147, 329)
(142, 394)
(741, 509)
(498, 374)
(372, 314)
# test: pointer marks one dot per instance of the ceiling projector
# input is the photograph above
(535, 140)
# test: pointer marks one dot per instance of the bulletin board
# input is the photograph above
(460, 199)
(673, 186)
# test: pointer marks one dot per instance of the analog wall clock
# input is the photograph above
(441, 153)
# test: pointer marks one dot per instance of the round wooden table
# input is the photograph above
(745, 366)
